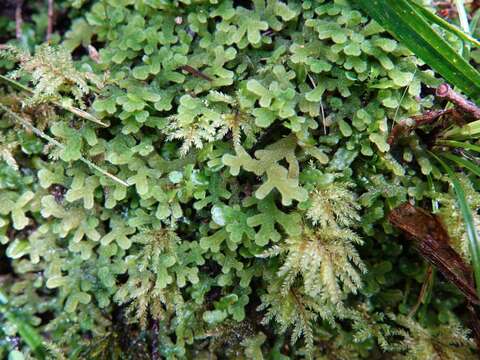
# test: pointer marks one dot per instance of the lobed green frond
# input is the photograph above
(228, 194)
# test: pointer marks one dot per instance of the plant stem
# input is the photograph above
(53, 141)
(462, 14)
(444, 91)
(50, 20)
(18, 19)
(76, 111)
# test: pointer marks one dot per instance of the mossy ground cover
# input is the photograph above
(212, 179)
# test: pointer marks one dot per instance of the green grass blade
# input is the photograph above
(28, 333)
(474, 22)
(459, 144)
(431, 185)
(463, 163)
(15, 84)
(469, 130)
(472, 235)
(463, 18)
(411, 28)
(76, 111)
(434, 18)
(462, 15)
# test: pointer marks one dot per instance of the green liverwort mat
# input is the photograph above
(211, 179)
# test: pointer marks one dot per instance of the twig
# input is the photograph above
(444, 91)
(445, 9)
(432, 241)
(195, 72)
(155, 344)
(50, 20)
(414, 122)
(55, 142)
(424, 291)
(93, 53)
(18, 19)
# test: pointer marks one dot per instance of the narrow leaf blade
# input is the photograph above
(434, 18)
(463, 163)
(466, 131)
(472, 234)
(459, 144)
(411, 28)
(27, 332)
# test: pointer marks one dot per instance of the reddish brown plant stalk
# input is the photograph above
(444, 91)
(414, 122)
(50, 20)
(18, 19)
(433, 243)
(195, 72)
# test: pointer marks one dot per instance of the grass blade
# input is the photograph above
(28, 333)
(474, 22)
(76, 111)
(462, 15)
(411, 28)
(434, 18)
(472, 235)
(459, 144)
(463, 163)
(466, 131)
(431, 185)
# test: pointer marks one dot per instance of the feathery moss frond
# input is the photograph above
(52, 72)
(449, 341)
(327, 261)
(333, 205)
(158, 269)
(296, 311)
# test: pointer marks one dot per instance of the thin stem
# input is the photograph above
(76, 111)
(18, 19)
(444, 91)
(321, 106)
(50, 20)
(55, 142)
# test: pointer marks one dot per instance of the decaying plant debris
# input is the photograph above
(432, 241)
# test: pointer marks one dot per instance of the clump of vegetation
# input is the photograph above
(212, 179)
